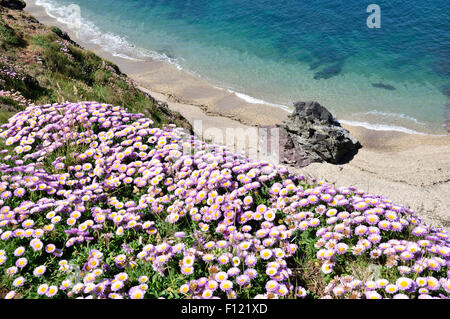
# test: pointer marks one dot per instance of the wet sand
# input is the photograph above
(411, 170)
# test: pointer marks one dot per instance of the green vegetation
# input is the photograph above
(8, 37)
(45, 66)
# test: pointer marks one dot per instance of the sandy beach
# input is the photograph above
(411, 170)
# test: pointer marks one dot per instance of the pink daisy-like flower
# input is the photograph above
(446, 284)
(327, 268)
(261, 208)
(221, 276)
(391, 289)
(382, 283)
(21, 262)
(271, 271)
(251, 260)
(42, 289)
(419, 231)
(242, 280)
(433, 264)
(223, 259)
(234, 271)
(226, 285)
(207, 293)
(372, 219)
(303, 225)
(357, 250)
(19, 192)
(406, 255)
(433, 283)
(248, 200)
(282, 290)
(361, 230)
(371, 285)
(212, 285)
(116, 285)
(338, 291)
(269, 215)
(374, 238)
(251, 273)
(19, 281)
(136, 293)
(39, 271)
(10, 295)
(421, 281)
(266, 254)
(52, 291)
(209, 245)
(313, 199)
(362, 205)
(404, 269)
(403, 283)
(384, 225)
(187, 270)
(341, 248)
(208, 257)
(300, 292)
(373, 295)
(123, 276)
(314, 222)
(396, 226)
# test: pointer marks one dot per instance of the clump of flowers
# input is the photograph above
(63, 45)
(10, 72)
(96, 202)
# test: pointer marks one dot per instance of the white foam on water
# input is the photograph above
(394, 115)
(384, 127)
(87, 31)
(252, 100)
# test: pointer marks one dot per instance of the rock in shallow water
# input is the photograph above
(312, 130)
(383, 86)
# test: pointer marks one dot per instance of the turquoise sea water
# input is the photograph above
(281, 51)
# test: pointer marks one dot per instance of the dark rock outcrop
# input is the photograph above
(312, 134)
(13, 4)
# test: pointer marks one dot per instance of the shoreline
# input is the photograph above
(409, 169)
(163, 73)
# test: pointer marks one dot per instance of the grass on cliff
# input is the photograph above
(82, 75)
(8, 37)
(51, 68)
